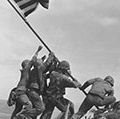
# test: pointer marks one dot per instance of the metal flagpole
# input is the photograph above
(29, 25)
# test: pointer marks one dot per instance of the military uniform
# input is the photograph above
(36, 85)
(100, 94)
(55, 92)
(20, 93)
(20, 90)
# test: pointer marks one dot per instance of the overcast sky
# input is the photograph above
(84, 32)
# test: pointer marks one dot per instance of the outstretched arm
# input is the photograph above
(34, 58)
(90, 82)
(51, 62)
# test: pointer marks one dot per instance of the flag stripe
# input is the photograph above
(28, 12)
(17, 0)
(30, 9)
(31, 2)
(45, 1)
(22, 2)
(33, 6)
(28, 6)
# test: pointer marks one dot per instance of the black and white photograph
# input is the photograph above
(60, 59)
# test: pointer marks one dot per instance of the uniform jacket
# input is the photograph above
(58, 83)
(99, 87)
(22, 84)
(36, 75)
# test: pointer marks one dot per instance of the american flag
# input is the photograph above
(28, 6)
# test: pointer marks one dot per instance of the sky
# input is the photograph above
(84, 32)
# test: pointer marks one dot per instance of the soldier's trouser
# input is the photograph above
(60, 103)
(22, 100)
(47, 113)
(93, 100)
(18, 108)
(38, 106)
(65, 102)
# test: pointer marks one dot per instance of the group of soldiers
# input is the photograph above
(42, 88)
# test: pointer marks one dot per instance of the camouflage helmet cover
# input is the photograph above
(25, 63)
(110, 80)
(64, 65)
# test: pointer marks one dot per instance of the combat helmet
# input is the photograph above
(64, 65)
(25, 63)
(110, 80)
